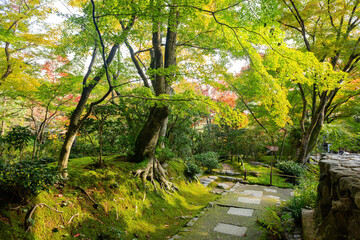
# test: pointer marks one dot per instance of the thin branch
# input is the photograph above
(237, 92)
(143, 50)
(93, 56)
(290, 26)
(302, 122)
(102, 45)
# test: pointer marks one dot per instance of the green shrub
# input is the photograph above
(191, 169)
(210, 160)
(46, 160)
(165, 154)
(275, 222)
(291, 168)
(305, 195)
(25, 179)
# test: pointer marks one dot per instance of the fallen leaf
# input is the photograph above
(76, 235)
(167, 225)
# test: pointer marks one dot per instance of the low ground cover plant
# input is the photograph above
(22, 180)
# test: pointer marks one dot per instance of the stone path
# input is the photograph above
(234, 215)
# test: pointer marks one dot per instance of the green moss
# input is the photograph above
(122, 213)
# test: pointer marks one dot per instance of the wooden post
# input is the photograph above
(272, 157)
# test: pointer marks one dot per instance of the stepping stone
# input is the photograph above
(253, 193)
(292, 193)
(230, 229)
(223, 186)
(249, 200)
(272, 197)
(240, 211)
(190, 224)
(270, 190)
(213, 177)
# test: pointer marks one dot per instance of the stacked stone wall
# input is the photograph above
(338, 208)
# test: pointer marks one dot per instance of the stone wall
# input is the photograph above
(339, 197)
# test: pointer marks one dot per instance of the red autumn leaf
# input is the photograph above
(76, 235)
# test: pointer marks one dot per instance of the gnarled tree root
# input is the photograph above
(155, 173)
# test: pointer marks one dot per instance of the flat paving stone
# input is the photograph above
(270, 190)
(249, 200)
(240, 211)
(272, 197)
(213, 177)
(223, 186)
(253, 193)
(230, 229)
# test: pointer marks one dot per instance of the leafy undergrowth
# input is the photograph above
(264, 178)
(121, 211)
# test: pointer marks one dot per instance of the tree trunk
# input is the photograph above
(148, 137)
(312, 132)
(163, 132)
(101, 163)
(75, 120)
(65, 152)
(282, 145)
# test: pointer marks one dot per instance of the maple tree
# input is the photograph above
(329, 30)
(18, 41)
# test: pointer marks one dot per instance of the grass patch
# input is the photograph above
(264, 178)
(121, 213)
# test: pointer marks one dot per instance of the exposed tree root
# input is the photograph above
(75, 215)
(27, 220)
(156, 174)
(96, 204)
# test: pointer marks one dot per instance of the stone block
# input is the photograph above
(223, 186)
(241, 211)
(230, 229)
(253, 193)
(337, 172)
(350, 184)
(357, 199)
(270, 190)
(249, 200)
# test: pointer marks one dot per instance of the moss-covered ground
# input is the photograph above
(125, 208)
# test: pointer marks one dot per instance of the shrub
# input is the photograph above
(305, 195)
(210, 160)
(25, 179)
(47, 159)
(18, 137)
(291, 168)
(191, 169)
(165, 154)
(275, 222)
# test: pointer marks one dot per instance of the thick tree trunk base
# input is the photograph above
(156, 174)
